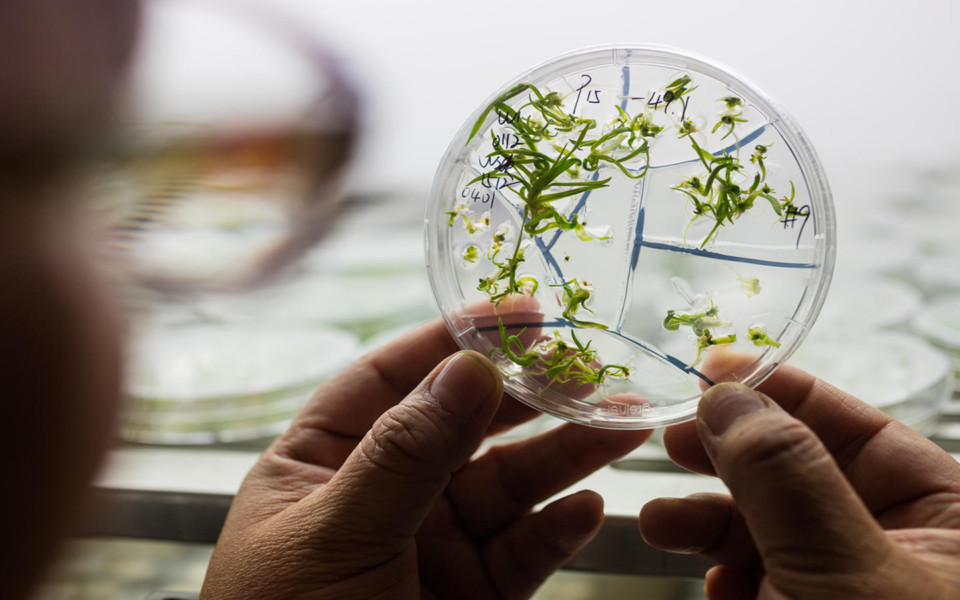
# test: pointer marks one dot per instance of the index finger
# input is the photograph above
(887, 463)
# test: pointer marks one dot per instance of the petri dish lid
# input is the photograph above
(622, 226)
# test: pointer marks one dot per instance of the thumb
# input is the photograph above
(387, 486)
(801, 511)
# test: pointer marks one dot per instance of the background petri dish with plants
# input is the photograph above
(620, 227)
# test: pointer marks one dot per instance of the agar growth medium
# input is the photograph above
(621, 227)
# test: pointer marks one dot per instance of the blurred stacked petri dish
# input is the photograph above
(201, 383)
(900, 252)
(362, 249)
(939, 276)
(361, 305)
(939, 324)
(868, 303)
(896, 372)
(861, 345)
(367, 277)
(907, 228)
(229, 368)
(234, 130)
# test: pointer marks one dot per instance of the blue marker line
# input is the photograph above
(580, 204)
(753, 135)
(673, 360)
(638, 236)
(746, 140)
(676, 362)
(548, 255)
(544, 251)
(625, 72)
(719, 256)
(539, 324)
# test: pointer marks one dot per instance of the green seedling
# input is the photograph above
(494, 284)
(456, 212)
(749, 285)
(546, 171)
(471, 253)
(759, 337)
(786, 202)
(513, 348)
(564, 363)
(698, 322)
(757, 158)
(555, 158)
(705, 340)
(499, 238)
(731, 116)
(575, 296)
(721, 193)
(473, 226)
(559, 360)
(686, 128)
(732, 102)
(677, 89)
(730, 122)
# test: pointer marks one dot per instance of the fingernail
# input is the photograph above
(464, 383)
(724, 403)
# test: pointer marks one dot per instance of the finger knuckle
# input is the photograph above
(405, 440)
(768, 444)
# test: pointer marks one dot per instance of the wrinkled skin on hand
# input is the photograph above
(831, 498)
(372, 492)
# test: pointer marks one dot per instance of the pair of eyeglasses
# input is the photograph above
(234, 130)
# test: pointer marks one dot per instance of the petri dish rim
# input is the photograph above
(438, 253)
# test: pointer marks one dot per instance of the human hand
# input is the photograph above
(371, 492)
(831, 498)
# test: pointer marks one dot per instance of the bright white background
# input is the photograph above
(871, 82)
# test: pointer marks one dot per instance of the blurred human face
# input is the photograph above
(59, 332)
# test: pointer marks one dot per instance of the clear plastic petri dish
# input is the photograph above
(620, 227)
